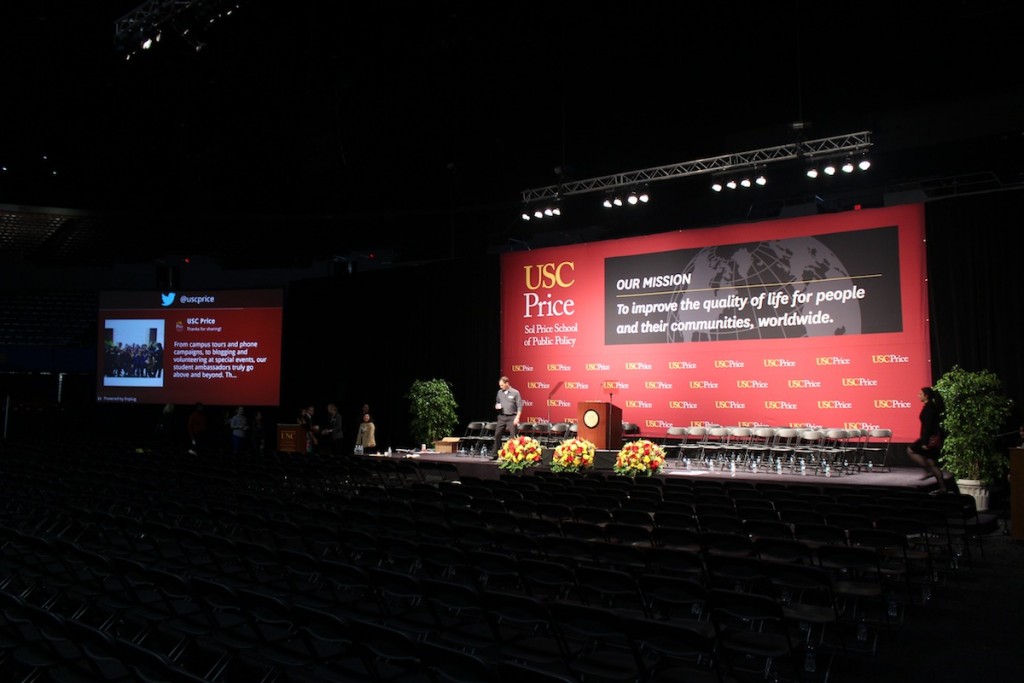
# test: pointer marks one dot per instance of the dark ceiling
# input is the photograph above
(413, 127)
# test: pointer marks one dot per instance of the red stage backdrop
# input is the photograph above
(811, 321)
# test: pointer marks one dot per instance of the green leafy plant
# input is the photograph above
(433, 409)
(976, 412)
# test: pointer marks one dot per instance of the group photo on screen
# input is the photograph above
(133, 353)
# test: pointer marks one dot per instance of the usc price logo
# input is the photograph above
(891, 403)
(886, 358)
(550, 275)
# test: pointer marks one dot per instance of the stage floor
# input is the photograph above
(894, 477)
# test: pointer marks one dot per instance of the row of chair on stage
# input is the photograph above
(827, 451)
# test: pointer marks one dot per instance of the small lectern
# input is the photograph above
(600, 423)
(1017, 493)
(291, 438)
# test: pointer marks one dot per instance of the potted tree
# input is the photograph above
(432, 406)
(976, 411)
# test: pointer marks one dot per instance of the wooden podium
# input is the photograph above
(600, 423)
(1017, 493)
(291, 438)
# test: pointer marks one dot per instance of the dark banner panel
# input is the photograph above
(814, 286)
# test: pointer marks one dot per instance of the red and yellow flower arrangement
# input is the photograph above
(573, 455)
(641, 457)
(518, 453)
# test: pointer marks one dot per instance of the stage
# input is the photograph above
(484, 468)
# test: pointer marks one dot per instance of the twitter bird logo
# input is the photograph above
(167, 299)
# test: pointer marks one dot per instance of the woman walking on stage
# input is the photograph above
(926, 450)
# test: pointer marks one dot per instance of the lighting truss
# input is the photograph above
(850, 143)
(149, 18)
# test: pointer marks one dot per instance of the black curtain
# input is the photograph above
(365, 338)
(976, 287)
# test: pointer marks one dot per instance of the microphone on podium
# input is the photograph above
(551, 395)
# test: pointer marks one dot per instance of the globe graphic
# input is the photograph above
(797, 269)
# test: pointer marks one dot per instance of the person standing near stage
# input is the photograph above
(239, 425)
(333, 429)
(258, 434)
(366, 437)
(925, 451)
(312, 430)
(196, 428)
(509, 406)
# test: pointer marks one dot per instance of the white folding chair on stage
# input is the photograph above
(853, 454)
(833, 451)
(736, 447)
(875, 451)
(714, 448)
(692, 445)
(783, 448)
(759, 448)
(807, 451)
(672, 442)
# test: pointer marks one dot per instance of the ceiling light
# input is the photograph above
(526, 216)
(644, 197)
(812, 172)
(830, 169)
(847, 166)
(864, 164)
(761, 180)
(632, 199)
(607, 203)
(731, 184)
(617, 201)
(745, 182)
(716, 186)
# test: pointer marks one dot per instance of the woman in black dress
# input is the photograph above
(926, 449)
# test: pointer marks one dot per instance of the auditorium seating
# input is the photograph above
(204, 560)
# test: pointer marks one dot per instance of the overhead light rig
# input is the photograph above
(141, 28)
(751, 163)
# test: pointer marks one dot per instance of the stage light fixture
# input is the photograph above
(631, 187)
(864, 164)
(847, 166)
(547, 210)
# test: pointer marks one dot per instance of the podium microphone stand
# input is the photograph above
(552, 395)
